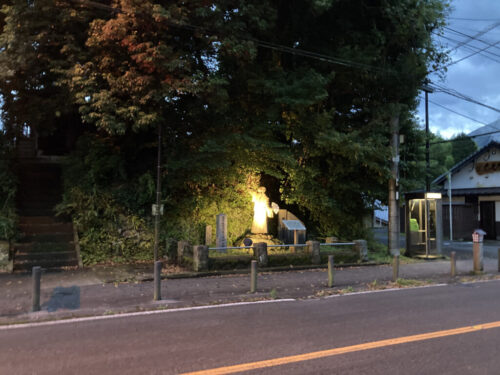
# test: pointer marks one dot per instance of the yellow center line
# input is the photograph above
(346, 349)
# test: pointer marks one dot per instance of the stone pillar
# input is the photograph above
(208, 235)
(221, 231)
(184, 250)
(200, 258)
(261, 251)
(170, 250)
(361, 249)
(313, 249)
(5, 262)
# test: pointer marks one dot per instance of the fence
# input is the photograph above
(200, 258)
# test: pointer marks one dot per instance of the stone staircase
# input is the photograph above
(45, 240)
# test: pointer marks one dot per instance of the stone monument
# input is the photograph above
(221, 231)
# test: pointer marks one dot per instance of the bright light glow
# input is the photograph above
(261, 211)
(433, 195)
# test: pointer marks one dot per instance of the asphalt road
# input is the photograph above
(177, 342)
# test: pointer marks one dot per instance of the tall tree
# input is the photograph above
(461, 147)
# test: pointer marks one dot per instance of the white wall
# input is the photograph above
(467, 178)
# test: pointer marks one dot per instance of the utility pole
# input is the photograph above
(394, 188)
(427, 89)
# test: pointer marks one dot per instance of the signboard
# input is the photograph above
(487, 167)
(293, 225)
(155, 211)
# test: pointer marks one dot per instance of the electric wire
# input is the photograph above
(261, 43)
(452, 92)
(464, 139)
(472, 48)
(476, 36)
(300, 52)
(475, 19)
(457, 113)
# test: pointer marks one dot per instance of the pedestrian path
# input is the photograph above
(76, 293)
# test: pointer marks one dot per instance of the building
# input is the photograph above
(474, 187)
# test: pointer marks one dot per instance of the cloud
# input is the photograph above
(475, 76)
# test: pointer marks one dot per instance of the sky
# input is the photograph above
(477, 77)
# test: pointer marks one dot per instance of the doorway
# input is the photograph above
(487, 216)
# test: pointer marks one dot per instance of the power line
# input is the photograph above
(457, 113)
(471, 48)
(459, 95)
(470, 55)
(475, 36)
(464, 139)
(263, 44)
(475, 19)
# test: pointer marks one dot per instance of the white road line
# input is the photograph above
(140, 313)
(385, 290)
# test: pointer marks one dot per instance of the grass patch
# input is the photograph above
(377, 252)
(347, 290)
(408, 283)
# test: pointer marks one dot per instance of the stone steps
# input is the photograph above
(45, 240)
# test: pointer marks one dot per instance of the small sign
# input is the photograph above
(154, 209)
(294, 225)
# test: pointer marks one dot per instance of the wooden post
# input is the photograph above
(395, 268)
(157, 281)
(253, 276)
(477, 256)
(453, 260)
(36, 275)
(330, 270)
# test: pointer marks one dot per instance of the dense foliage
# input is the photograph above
(236, 96)
(8, 188)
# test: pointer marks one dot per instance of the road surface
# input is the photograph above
(336, 335)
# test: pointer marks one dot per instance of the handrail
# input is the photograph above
(286, 245)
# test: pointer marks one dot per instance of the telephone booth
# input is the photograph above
(424, 224)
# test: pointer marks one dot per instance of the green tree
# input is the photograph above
(235, 95)
(39, 42)
(461, 147)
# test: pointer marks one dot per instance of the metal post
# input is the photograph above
(395, 268)
(427, 232)
(427, 145)
(499, 259)
(157, 281)
(453, 260)
(158, 196)
(36, 275)
(450, 207)
(253, 276)
(330, 270)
